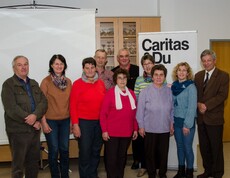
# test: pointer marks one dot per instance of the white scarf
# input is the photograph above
(118, 94)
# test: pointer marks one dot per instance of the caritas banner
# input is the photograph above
(170, 48)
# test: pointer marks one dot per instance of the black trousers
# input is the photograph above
(116, 156)
(156, 143)
(211, 148)
(138, 148)
(25, 150)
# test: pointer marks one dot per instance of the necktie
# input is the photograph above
(206, 81)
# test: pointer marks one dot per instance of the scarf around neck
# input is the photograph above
(118, 94)
(85, 79)
(147, 78)
(178, 87)
(59, 81)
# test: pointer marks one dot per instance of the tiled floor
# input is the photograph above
(5, 168)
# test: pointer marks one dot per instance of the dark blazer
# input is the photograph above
(216, 92)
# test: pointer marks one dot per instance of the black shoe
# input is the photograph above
(180, 172)
(135, 165)
(204, 175)
(163, 176)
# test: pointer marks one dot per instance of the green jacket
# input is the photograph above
(17, 106)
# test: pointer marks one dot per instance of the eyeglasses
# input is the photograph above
(158, 75)
(147, 64)
(121, 56)
(122, 78)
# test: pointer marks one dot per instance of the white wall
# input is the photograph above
(105, 7)
(38, 35)
(208, 17)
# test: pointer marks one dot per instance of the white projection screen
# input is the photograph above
(40, 33)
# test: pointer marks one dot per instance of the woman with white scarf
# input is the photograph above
(118, 124)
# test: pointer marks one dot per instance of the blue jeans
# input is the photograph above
(184, 146)
(89, 144)
(58, 142)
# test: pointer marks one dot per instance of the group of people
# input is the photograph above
(116, 108)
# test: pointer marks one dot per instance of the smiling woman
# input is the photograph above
(118, 123)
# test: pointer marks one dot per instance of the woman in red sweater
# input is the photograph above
(118, 124)
(85, 103)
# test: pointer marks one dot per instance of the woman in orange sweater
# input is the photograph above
(56, 122)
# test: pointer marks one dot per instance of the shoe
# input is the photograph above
(135, 165)
(141, 172)
(163, 176)
(189, 173)
(180, 172)
(204, 175)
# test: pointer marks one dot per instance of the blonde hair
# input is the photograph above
(189, 70)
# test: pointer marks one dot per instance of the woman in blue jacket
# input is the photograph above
(185, 104)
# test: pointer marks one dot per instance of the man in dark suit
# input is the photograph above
(123, 58)
(212, 88)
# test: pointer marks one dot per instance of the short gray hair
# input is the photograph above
(208, 52)
(16, 57)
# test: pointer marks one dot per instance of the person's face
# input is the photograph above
(123, 58)
(158, 77)
(58, 66)
(100, 58)
(121, 81)
(21, 67)
(147, 66)
(89, 70)
(208, 62)
(182, 73)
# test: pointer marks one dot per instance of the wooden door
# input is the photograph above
(222, 49)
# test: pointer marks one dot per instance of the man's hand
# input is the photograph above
(201, 107)
(31, 119)
(37, 125)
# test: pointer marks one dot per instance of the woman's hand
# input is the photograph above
(171, 129)
(142, 132)
(135, 135)
(186, 131)
(76, 131)
(105, 136)
(45, 126)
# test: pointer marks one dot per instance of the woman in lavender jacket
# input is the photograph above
(155, 120)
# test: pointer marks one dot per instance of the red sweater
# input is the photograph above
(86, 100)
(118, 123)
